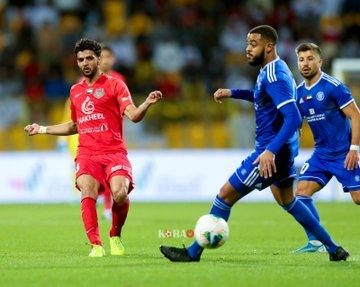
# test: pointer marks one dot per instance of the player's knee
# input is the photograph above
(120, 194)
(229, 194)
(88, 190)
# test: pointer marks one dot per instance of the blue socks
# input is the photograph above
(219, 208)
(309, 202)
(309, 222)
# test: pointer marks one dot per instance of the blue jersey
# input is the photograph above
(275, 87)
(321, 106)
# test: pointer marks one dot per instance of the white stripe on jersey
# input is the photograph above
(301, 84)
(348, 103)
(270, 73)
(284, 103)
(331, 80)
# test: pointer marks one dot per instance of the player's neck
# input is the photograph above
(93, 79)
(313, 80)
(269, 58)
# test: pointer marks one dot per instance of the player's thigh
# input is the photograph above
(283, 195)
(315, 170)
(307, 188)
(355, 195)
(119, 185)
(88, 186)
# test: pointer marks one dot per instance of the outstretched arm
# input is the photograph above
(352, 158)
(136, 114)
(64, 129)
(247, 95)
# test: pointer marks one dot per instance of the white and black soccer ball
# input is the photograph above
(211, 231)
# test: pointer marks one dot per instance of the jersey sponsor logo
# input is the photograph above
(87, 107)
(99, 92)
(91, 130)
(315, 118)
(320, 96)
(89, 91)
(92, 117)
(357, 178)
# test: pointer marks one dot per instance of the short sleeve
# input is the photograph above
(342, 96)
(281, 92)
(123, 96)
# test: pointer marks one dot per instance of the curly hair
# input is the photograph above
(87, 44)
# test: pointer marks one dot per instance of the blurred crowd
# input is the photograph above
(185, 48)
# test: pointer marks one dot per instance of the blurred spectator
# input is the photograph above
(186, 48)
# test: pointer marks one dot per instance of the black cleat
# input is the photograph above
(175, 254)
(339, 254)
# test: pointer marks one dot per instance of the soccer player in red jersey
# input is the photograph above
(98, 105)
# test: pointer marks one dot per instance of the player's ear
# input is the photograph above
(269, 47)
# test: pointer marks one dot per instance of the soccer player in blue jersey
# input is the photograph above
(334, 119)
(272, 162)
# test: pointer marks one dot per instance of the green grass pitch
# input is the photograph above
(44, 245)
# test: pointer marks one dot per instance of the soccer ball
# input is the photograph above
(211, 231)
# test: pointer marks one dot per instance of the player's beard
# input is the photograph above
(258, 60)
(309, 76)
(89, 74)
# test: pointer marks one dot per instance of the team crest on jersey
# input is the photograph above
(99, 93)
(320, 96)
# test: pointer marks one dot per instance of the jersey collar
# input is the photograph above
(273, 61)
(314, 84)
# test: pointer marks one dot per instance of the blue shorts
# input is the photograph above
(321, 171)
(246, 177)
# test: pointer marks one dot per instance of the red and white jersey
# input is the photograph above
(98, 112)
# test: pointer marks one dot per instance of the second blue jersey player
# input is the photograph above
(272, 162)
(334, 119)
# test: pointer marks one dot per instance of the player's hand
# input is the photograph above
(266, 163)
(154, 97)
(220, 94)
(352, 160)
(32, 129)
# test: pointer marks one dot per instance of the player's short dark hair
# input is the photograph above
(267, 32)
(87, 44)
(303, 47)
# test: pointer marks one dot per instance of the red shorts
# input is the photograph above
(104, 167)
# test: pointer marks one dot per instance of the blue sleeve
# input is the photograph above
(247, 95)
(342, 96)
(281, 92)
(292, 121)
